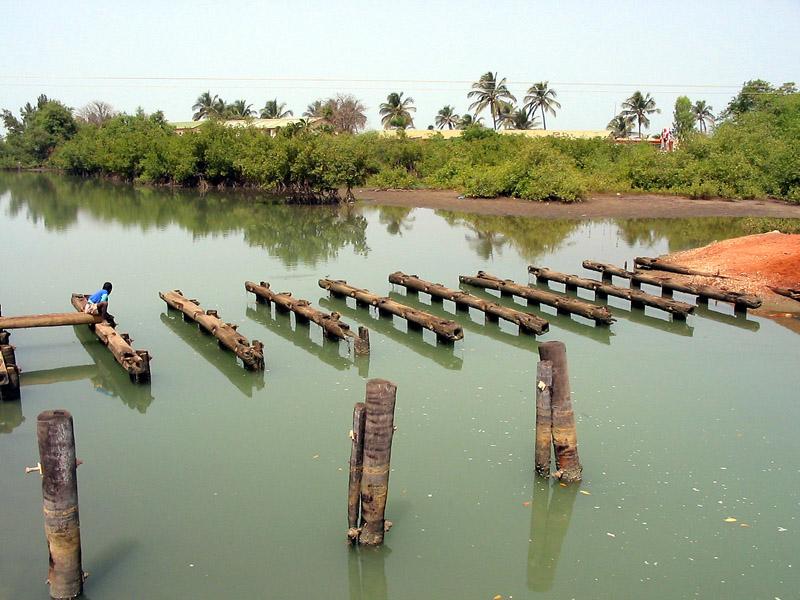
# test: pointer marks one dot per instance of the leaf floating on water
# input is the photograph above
(730, 520)
(585, 493)
(315, 456)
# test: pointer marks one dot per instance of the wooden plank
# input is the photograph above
(48, 320)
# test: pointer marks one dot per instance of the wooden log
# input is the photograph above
(527, 322)
(637, 298)
(361, 345)
(9, 374)
(445, 330)
(606, 270)
(564, 304)
(544, 422)
(378, 432)
(565, 437)
(48, 320)
(658, 264)
(54, 430)
(252, 355)
(356, 469)
(788, 292)
(135, 362)
(740, 300)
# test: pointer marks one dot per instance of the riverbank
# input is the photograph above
(596, 206)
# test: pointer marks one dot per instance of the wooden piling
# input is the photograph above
(135, 362)
(602, 290)
(49, 320)
(544, 422)
(9, 374)
(54, 430)
(252, 355)
(526, 322)
(356, 469)
(361, 345)
(378, 432)
(565, 438)
(446, 330)
(562, 303)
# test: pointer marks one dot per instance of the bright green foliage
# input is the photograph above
(683, 117)
(31, 140)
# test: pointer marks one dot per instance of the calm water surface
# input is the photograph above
(213, 482)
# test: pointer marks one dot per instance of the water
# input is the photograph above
(213, 482)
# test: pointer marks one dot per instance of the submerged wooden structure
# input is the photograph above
(331, 324)
(562, 303)
(603, 290)
(740, 300)
(135, 362)
(527, 322)
(252, 355)
(445, 329)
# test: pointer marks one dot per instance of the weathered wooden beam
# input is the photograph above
(562, 303)
(788, 292)
(252, 355)
(356, 469)
(740, 300)
(544, 417)
(135, 362)
(48, 320)
(527, 322)
(637, 298)
(658, 264)
(445, 329)
(9, 374)
(331, 324)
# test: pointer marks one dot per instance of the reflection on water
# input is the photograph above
(305, 234)
(366, 573)
(397, 219)
(207, 347)
(551, 510)
(10, 415)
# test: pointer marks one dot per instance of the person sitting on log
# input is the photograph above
(97, 304)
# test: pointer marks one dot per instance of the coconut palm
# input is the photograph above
(447, 117)
(542, 98)
(208, 107)
(489, 93)
(521, 119)
(505, 115)
(396, 111)
(620, 126)
(638, 107)
(239, 109)
(273, 110)
(468, 119)
(703, 112)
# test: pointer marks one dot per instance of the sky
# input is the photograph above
(162, 55)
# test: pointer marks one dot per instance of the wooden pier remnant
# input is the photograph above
(527, 322)
(562, 303)
(135, 362)
(565, 437)
(603, 290)
(331, 324)
(657, 264)
(356, 468)
(740, 300)
(376, 441)
(251, 355)
(48, 320)
(57, 465)
(544, 417)
(445, 329)
(9, 371)
(788, 292)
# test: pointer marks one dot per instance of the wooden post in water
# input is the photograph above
(378, 432)
(565, 437)
(60, 498)
(9, 371)
(544, 423)
(361, 343)
(356, 468)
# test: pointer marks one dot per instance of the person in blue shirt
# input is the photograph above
(97, 304)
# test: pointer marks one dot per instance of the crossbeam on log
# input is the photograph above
(48, 320)
(252, 355)
(445, 329)
(564, 304)
(637, 298)
(740, 300)
(527, 322)
(331, 324)
(657, 264)
(135, 362)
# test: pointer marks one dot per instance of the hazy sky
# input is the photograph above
(162, 55)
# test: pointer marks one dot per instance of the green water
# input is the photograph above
(213, 482)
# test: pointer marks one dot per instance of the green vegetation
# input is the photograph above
(683, 117)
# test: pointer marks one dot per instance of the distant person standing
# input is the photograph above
(97, 304)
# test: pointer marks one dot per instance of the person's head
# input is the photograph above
(107, 286)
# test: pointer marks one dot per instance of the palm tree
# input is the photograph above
(488, 92)
(620, 126)
(702, 112)
(541, 97)
(505, 115)
(468, 119)
(521, 119)
(208, 107)
(396, 111)
(638, 107)
(447, 117)
(239, 110)
(273, 110)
